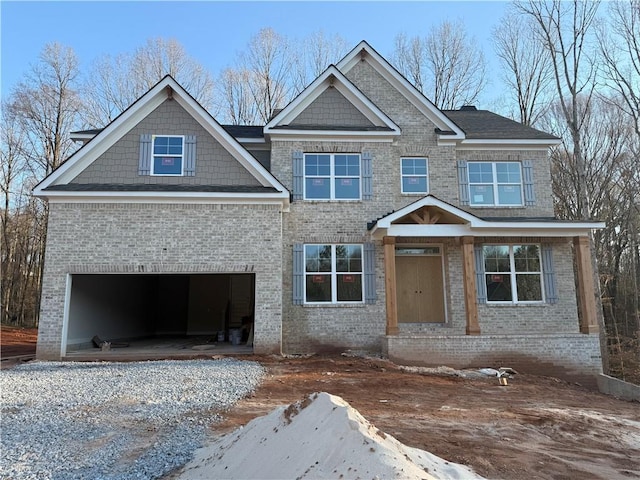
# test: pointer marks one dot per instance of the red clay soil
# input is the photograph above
(534, 428)
(16, 341)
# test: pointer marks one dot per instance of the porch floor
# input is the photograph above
(160, 348)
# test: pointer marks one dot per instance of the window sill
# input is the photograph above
(493, 207)
(333, 305)
(518, 305)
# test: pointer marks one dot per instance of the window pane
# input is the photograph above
(167, 165)
(509, 195)
(348, 258)
(529, 287)
(347, 188)
(527, 258)
(480, 172)
(318, 288)
(508, 172)
(349, 287)
(414, 184)
(481, 194)
(496, 258)
(498, 287)
(317, 165)
(317, 258)
(414, 166)
(317, 188)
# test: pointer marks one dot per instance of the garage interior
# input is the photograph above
(153, 311)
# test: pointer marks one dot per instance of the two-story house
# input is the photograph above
(360, 217)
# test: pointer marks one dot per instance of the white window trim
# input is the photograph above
(494, 185)
(512, 275)
(153, 163)
(332, 178)
(426, 176)
(333, 274)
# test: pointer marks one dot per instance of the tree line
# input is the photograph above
(571, 68)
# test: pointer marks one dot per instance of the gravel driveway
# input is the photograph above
(113, 420)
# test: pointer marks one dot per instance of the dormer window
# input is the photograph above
(495, 184)
(168, 155)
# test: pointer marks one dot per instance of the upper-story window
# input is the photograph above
(415, 175)
(168, 155)
(332, 176)
(495, 183)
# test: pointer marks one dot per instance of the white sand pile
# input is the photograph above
(321, 437)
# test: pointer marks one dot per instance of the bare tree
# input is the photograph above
(236, 102)
(313, 55)
(526, 64)
(46, 105)
(114, 83)
(564, 28)
(44, 108)
(619, 40)
(268, 61)
(410, 58)
(447, 66)
(457, 66)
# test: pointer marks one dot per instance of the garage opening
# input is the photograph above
(205, 308)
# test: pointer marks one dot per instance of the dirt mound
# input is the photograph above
(320, 437)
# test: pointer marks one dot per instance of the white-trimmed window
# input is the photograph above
(332, 176)
(495, 183)
(513, 273)
(414, 175)
(333, 273)
(168, 155)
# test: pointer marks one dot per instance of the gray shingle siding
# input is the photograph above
(214, 165)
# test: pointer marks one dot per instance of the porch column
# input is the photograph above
(390, 284)
(586, 287)
(470, 295)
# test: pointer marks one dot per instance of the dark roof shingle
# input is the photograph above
(486, 125)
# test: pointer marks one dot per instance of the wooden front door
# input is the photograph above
(420, 289)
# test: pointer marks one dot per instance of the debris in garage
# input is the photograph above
(99, 343)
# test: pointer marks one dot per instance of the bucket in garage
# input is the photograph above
(221, 336)
(235, 335)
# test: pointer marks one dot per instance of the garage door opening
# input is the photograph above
(203, 308)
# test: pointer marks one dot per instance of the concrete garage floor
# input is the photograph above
(159, 348)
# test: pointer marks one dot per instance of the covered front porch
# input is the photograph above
(465, 324)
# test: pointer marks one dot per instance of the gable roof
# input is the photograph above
(460, 223)
(281, 123)
(107, 137)
(364, 51)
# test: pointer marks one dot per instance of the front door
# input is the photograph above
(420, 288)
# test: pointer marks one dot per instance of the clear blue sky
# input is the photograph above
(213, 32)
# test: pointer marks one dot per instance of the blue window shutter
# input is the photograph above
(298, 175)
(367, 176)
(550, 288)
(529, 191)
(298, 274)
(190, 155)
(481, 285)
(463, 182)
(144, 164)
(369, 274)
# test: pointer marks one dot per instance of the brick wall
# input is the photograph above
(312, 328)
(214, 164)
(121, 238)
(572, 356)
